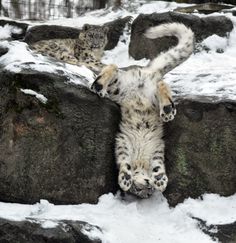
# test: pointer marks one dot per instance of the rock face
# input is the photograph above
(141, 47)
(31, 232)
(61, 151)
(46, 32)
(200, 150)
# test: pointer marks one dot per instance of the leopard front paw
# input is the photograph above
(125, 179)
(98, 88)
(168, 111)
(160, 181)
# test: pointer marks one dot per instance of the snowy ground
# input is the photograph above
(131, 221)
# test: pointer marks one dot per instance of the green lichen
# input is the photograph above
(181, 162)
(182, 168)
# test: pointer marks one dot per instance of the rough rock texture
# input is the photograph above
(141, 47)
(61, 151)
(31, 232)
(205, 8)
(46, 32)
(200, 149)
(116, 29)
(20, 25)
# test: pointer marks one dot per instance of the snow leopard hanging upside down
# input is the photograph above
(146, 103)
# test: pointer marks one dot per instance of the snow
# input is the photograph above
(206, 73)
(7, 30)
(19, 57)
(215, 43)
(132, 220)
(40, 97)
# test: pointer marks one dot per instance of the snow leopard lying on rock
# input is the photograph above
(86, 50)
(146, 103)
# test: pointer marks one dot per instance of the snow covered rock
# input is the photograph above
(18, 28)
(141, 47)
(116, 30)
(56, 138)
(225, 233)
(200, 149)
(49, 231)
(205, 8)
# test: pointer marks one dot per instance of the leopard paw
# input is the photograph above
(98, 88)
(125, 179)
(100, 84)
(168, 111)
(160, 181)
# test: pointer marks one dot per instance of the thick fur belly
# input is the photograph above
(141, 144)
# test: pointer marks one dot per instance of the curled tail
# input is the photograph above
(168, 60)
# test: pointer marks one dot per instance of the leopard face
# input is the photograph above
(94, 36)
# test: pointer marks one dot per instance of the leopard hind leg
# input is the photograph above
(158, 173)
(125, 177)
(166, 104)
(106, 76)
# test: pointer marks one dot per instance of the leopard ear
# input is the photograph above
(86, 27)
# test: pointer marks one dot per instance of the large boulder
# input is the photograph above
(141, 47)
(31, 232)
(62, 150)
(200, 149)
(47, 32)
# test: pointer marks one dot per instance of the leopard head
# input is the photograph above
(94, 36)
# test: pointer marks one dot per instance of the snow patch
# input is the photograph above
(40, 97)
(120, 54)
(48, 224)
(215, 42)
(132, 220)
(7, 30)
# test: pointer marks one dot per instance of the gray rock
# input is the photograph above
(116, 29)
(205, 8)
(3, 50)
(46, 32)
(31, 232)
(61, 151)
(200, 149)
(141, 47)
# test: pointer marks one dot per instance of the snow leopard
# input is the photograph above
(146, 103)
(86, 50)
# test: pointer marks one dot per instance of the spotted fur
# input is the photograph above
(146, 103)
